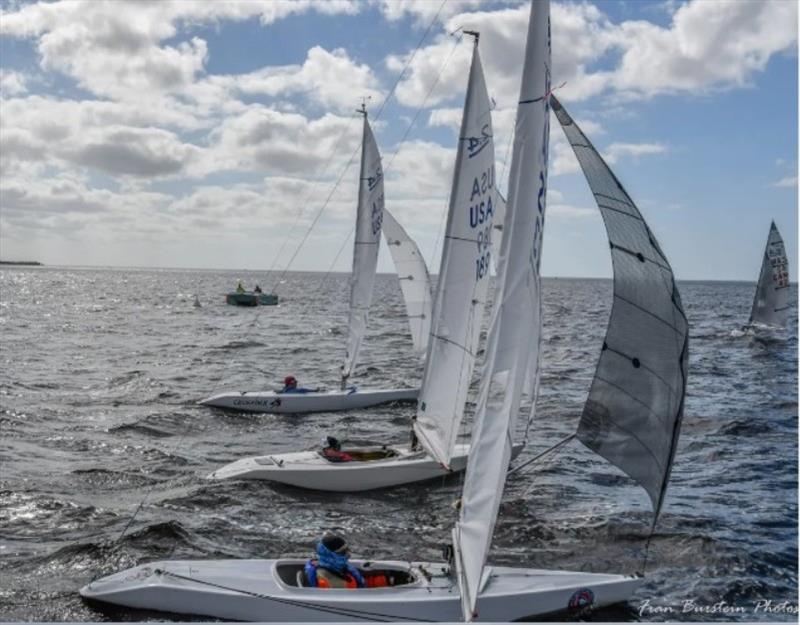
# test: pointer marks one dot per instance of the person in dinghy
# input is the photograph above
(332, 569)
(290, 386)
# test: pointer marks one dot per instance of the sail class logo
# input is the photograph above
(377, 215)
(372, 181)
(476, 144)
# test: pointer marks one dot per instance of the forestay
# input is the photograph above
(633, 414)
(515, 330)
(365, 254)
(415, 282)
(771, 301)
(463, 277)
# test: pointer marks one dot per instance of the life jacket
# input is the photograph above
(334, 455)
(319, 577)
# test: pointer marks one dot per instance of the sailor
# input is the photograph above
(290, 386)
(257, 289)
(332, 569)
(332, 450)
(240, 287)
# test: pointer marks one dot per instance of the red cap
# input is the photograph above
(289, 379)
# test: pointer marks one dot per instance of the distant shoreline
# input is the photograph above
(21, 262)
(339, 273)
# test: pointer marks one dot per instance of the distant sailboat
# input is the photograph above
(771, 301)
(454, 331)
(632, 418)
(369, 219)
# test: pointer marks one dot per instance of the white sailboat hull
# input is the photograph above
(324, 401)
(308, 469)
(267, 590)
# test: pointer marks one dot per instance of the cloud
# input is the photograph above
(12, 83)
(138, 152)
(787, 181)
(708, 46)
(114, 48)
(264, 139)
(423, 11)
(331, 79)
(614, 151)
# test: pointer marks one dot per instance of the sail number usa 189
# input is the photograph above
(481, 212)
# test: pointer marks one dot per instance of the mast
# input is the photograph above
(512, 350)
(369, 218)
(463, 276)
(771, 300)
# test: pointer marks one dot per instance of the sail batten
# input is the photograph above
(415, 281)
(634, 410)
(369, 219)
(463, 277)
(771, 300)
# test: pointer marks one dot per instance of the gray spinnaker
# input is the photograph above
(771, 301)
(632, 416)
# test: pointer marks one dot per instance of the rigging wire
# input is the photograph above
(376, 117)
(305, 203)
(400, 143)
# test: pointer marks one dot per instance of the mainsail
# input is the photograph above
(463, 277)
(633, 414)
(515, 330)
(771, 302)
(415, 282)
(365, 254)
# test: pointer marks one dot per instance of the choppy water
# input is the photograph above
(101, 370)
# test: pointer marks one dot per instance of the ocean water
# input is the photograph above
(103, 450)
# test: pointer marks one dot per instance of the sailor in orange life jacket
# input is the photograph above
(332, 451)
(331, 569)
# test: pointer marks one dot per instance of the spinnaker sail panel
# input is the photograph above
(633, 414)
(515, 328)
(369, 219)
(463, 277)
(771, 301)
(415, 282)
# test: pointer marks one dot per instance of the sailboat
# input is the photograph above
(454, 331)
(771, 301)
(632, 418)
(369, 220)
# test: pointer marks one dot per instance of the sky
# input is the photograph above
(200, 134)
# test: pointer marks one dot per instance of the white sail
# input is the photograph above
(463, 277)
(515, 330)
(771, 301)
(365, 253)
(415, 281)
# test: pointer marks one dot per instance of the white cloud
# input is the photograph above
(423, 11)
(708, 45)
(113, 48)
(786, 181)
(331, 79)
(12, 83)
(615, 151)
